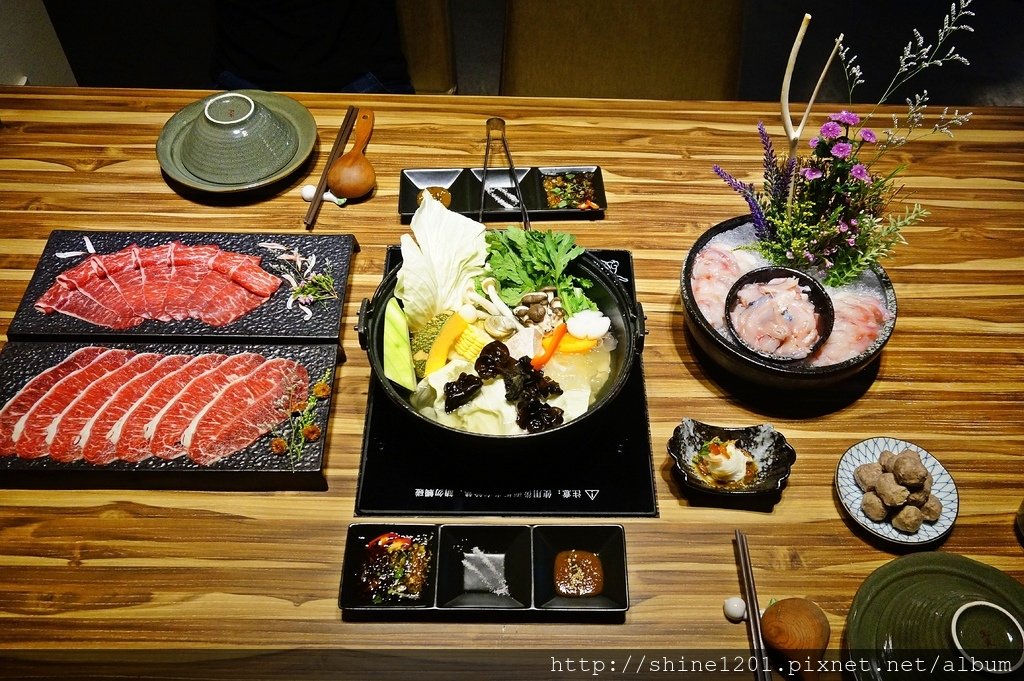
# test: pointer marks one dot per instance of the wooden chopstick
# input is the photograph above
(761, 671)
(339, 146)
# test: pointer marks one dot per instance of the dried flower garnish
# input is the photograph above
(307, 285)
(301, 427)
(824, 213)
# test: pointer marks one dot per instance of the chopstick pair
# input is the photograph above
(761, 671)
(339, 146)
(498, 125)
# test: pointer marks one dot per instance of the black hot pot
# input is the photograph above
(627, 325)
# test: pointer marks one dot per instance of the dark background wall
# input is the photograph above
(167, 43)
(876, 31)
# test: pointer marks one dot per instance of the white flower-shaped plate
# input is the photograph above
(850, 494)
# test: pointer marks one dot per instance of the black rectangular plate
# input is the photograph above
(271, 322)
(409, 468)
(500, 202)
(254, 468)
(528, 552)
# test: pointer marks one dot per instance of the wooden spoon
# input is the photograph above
(797, 628)
(351, 175)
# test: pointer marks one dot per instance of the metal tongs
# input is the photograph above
(498, 125)
(761, 671)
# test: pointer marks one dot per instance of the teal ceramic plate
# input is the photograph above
(168, 145)
(905, 609)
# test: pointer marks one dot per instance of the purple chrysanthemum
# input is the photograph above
(868, 135)
(845, 117)
(860, 172)
(814, 142)
(811, 173)
(843, 227)
(831, 130)
(852, 241)
(842, 149)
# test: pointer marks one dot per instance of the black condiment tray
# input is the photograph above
(526, 555)
(603, 468)
(254, 468)
(271, 322)
(500, 201)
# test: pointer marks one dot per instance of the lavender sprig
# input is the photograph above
(750, 196)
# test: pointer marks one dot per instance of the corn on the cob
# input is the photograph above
(471, 342)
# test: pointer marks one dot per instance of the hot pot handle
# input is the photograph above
(641, 327)
(361, 323)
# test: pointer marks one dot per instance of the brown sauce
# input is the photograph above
(578, 574)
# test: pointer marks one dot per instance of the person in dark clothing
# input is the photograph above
(310, 46)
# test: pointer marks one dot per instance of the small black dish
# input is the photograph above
(466, 187)
(772, 453)
(354, 595)
(607, 541)
(816, 293)
(485, 566)
(522, 556)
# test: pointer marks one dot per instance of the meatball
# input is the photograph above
(885, 459)
(908, 469)
(932, 509)
(908, 519)
(890, 492)
(866, 475)
(873, 507)
(919, 496)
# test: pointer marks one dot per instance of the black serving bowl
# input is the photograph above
(772, 453)
(737, 360)
(607, 293)
(816, 293)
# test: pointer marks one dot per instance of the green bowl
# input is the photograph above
(236, 140)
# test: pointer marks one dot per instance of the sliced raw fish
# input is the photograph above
(776, 318)
(859, 321)
(715, 269)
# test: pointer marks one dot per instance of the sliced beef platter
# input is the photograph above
(107, 404)
(170, 282)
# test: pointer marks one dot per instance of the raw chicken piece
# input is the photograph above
(715, 269)
(776, 318)
(859, 320)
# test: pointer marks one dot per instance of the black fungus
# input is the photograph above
(535, 416)
(460, 391)
(525, 386)
(494, 361)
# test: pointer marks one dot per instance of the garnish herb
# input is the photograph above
(301, 429)
(525, 261)
(307, 285)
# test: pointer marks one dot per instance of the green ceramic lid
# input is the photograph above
(905, 611)
(288, 122)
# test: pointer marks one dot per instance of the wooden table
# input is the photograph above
(96, 569)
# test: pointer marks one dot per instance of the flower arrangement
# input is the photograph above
(826, 212)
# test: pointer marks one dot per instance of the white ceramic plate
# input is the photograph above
(850, 494)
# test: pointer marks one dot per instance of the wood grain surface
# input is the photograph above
(94, 569)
